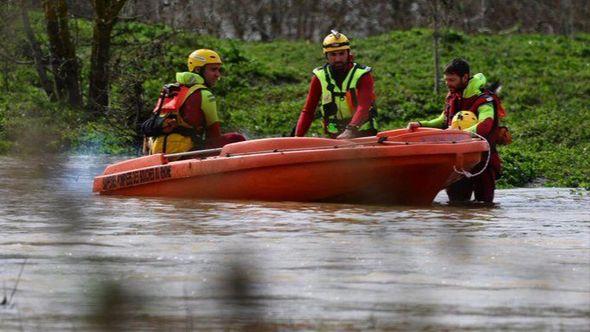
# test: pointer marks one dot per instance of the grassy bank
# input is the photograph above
(544, 80)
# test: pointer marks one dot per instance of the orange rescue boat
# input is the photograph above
(394, 167)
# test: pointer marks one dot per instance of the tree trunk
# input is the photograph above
(567, 26)
(64, 63)
(105, 17)
(260, 21)
(37, 54)
(484, 14)
(435, 37)
(276, 19)
(98, 95)
(299, 24)
(71, 67)
(55, 46)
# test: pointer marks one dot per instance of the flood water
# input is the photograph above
(71, 260)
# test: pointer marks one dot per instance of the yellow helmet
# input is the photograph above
(201, 57)
(463, 120)
(335, 41)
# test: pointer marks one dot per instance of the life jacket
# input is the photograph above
(456, 103)
(340, 102)
(184, 137)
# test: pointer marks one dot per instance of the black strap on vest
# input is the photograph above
(330, 108)
(330, 86)
(353, 90)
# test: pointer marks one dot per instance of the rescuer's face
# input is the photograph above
(212, 73)
(338, 59)
(456, 83)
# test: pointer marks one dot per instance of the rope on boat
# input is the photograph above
(468, 174)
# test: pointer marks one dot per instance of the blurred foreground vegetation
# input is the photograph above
(544, 77)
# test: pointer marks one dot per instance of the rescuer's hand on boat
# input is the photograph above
(413, 125)
(347, 134)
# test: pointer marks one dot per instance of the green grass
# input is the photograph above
(544, 79)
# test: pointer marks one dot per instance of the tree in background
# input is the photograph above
(36, 52)
(105, 17)
(64, 64)
(312, 19)
(435, 39)
(10, 52)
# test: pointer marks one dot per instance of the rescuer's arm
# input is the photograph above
(213, 137)
(308, 112)
(366, 99)
(485, 120)
(209, 107)
(437, 122)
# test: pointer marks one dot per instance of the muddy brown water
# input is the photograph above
(72, 260)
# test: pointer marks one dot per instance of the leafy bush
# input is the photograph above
(519, 168)
(100, 138)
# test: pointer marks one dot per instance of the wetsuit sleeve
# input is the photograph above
(434, 123)
(366, 99)
(485, 120)
(311, 103)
